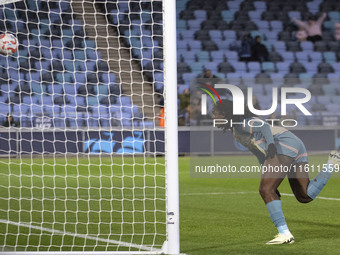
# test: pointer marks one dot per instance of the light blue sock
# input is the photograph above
(316, 185)
(276, 214)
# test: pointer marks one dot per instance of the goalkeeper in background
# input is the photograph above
(276, 146)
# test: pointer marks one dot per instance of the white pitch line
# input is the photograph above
(89, 237)
(218, 193)
(249, 192)
(323, 198)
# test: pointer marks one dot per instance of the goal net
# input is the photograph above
(83, 152)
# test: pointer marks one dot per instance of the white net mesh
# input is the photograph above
(79, 166)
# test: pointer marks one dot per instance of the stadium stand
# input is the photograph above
(58, 66)
(208, 33)
(290, 62)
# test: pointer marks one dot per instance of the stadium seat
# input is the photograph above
(279, 46)
(225, 67)
(302, 56)
(334, 46)
(195, 45)
(315, 56)
(240, 67)
(217, 56)
(188, 35)
(211, 66)
(297, 67)
(293, 46)
(320, 46)
(307, 46)
(255, 15)
(200, 14)
(254, 67)
(194, 24)
(311, 67)
(215, 34)
(231, 56)
(209, 46)
(197, 66)
(325, 68)
(229, 34)
(203, 56)
(268, 67)
(329, 56)
(282, 67)
(260, 5)
(274, 57)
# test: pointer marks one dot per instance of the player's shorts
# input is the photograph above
(290, 145)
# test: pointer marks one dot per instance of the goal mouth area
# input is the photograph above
(83, 162)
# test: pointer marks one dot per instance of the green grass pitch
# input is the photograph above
(218, 216)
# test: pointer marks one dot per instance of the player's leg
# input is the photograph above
(299, 179)
(270, 181)
(306, 191)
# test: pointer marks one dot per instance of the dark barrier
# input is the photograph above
(24, 141)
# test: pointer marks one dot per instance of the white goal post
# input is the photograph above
(86, 165)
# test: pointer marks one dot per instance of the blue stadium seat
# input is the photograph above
(248, 78)
(203, 56)
(234, 78)
(215, 35)
(311, 67)
(80, 78)
(229, 34)
(228, 15)
(257, 33)
(211, 66)
(188, 35)
(187, 77)
(159, 77)
(276, 25)
(182, 45)
(302, 56)
(294, 14)
(263, 25)
(255, 15)
(69, 89)
(231, 56)
(197, 67)
(254, 67)
(287, 55)
(194, 24)
(195, 45)
(181, 24)
(279, 46)
(240, 67)
(234, 5)
(329, 90)
(315, 56)
(307, 46)
(283, 67)
(336, 66)
(334, 16)
(260, 5)
(329, 57)
(108, 78)
(268, 67)
(200, 14)
(217, 56)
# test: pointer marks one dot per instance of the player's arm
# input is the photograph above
(256, 126)
(300, 23)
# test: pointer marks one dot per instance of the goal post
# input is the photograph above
(87, 168)
(171, 126)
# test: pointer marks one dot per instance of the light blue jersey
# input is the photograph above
(256, 135)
